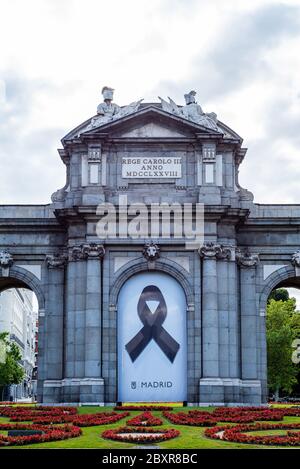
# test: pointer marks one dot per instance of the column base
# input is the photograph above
(74, 391)
(229, 392)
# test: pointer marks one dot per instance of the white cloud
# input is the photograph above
(241, 56)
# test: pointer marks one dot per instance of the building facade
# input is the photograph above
(18, 318)
(143, 314)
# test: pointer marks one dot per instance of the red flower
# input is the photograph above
(84, 420)
(131, 436)
(145, 419)
(20, 414)
(192, 418)
(238, 434)
(49, 434)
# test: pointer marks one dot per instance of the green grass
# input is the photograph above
(191, 437)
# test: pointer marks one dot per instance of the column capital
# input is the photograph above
(213, 251)
(87, 251)
(57, 260)
(246, 259)
(6, 259)
(94, 251)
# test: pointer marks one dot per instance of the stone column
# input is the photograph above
(249, 323)
(248, 264)
(70, 319)
(54, 327)
(224, 311)
(74, 325)
(234, 329)
(92, 386)
(95, 254)
(210, 327)
(79, 343)
(211, 387)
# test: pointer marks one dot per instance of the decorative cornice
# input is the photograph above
(151, 251)
(87, 251)
(211, 250)
(6, 259)
(246, 259)
(296, 258)
(57, 260)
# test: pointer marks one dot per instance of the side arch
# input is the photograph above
(280, 278)
(22, 278)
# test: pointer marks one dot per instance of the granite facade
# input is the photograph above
(77, 276)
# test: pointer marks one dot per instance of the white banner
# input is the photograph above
(169, 167)
(152, 355)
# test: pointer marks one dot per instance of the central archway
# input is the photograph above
(152, 342)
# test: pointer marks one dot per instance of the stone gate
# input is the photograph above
(151, 153)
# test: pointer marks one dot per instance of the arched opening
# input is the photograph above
(152, 339)
(283, 339)
(20, 301)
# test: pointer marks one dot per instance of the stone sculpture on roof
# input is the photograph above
(191, 111)
(108, 111)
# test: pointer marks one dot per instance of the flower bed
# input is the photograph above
(140, 435)
(247, 414)
(288, 411)
(84, 420)
(143, 407)
(48, 434)
(197, 419)
(20, 414)
(48, 420)
(238, 434)
(102, 418)
(146, 419)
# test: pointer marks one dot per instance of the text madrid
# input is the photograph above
(156, 384)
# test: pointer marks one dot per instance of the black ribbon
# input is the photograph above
(152, 326)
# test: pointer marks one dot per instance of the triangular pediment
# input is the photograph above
(155, 119)
(152, 130)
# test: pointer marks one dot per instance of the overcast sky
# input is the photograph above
(242, 57)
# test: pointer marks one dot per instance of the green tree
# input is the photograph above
(10, 370)
(283, 326)
(279, 294)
